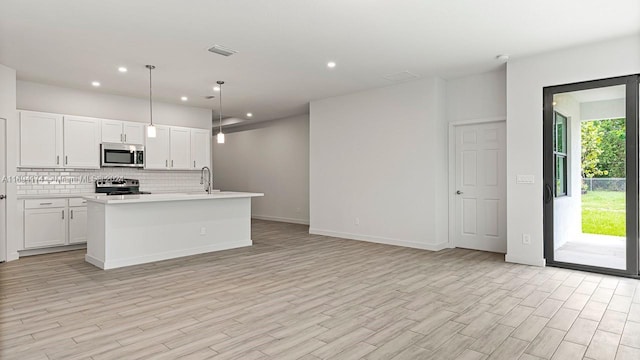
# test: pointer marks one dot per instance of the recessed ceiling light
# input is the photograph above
(95, 83)
(122, 69)
(249, 114)
(216, 88)
(331, 64)
(184, 98)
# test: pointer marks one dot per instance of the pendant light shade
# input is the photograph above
(151, 129)
(220, 136)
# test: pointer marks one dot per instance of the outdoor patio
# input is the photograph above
(595, 250)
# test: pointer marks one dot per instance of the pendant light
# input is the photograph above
(220, 135)
(151, 129)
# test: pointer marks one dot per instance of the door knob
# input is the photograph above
(459, 192)
(2, 197)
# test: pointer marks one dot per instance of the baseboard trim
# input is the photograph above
(51, 250)
(518, 260)
(380, 240)
(168, 255)
(280, 219)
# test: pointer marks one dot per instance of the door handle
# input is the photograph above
(194, 163)
(71, 215)
(125, 137)
(66, 159)
(2, 197)
(459, 192)
(548, 193)
(62, 214)
(121, 138)
(57, 159)
(166, 163)
(171, 163)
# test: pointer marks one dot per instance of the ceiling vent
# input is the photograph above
(221, 50)
(401, 76)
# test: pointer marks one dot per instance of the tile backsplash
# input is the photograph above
(75, 181)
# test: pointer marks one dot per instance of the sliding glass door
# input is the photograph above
(591, 175)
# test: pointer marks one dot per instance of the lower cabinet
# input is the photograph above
(54, 222)
(44, 227)
(77, 225)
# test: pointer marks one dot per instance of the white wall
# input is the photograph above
(54, 99)
(272, 158)
(8, 111)
(380, 157)
(568, 209)
(481, 96)
(525, 79)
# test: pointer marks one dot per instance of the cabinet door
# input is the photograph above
(180, 148)
(81, 142)
(200, 148)
(77, 225)
(133, 133)
(112, 131)
(157, 151)
(44, 227)
(40, 140)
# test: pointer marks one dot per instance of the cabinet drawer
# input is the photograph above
(44, 203)
(77, 202)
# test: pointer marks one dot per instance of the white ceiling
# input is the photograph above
(283, 45)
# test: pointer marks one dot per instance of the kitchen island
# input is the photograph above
(126, 230)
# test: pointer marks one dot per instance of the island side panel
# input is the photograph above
(138, 233)
(95, 234)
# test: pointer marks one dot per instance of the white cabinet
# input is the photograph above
(81, 142)
(44, 227)
(157, 151)
(127, 132)
(200, 148)
(133, 132)
(40, 139)
(77, 224)
(180, 147)
(54, 222)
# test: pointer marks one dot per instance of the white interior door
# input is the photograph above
(3, 191)
(480, 177)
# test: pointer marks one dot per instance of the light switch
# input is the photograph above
(525, 179)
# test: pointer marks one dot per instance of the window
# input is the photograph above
(560, 153)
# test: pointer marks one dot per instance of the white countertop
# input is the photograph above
(128, 199)
(54, 196)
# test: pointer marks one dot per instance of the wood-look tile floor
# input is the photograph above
(297, 296)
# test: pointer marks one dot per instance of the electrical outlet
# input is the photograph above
(357, 221)
(203, 231)
(526, 239)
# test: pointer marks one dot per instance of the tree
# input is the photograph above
(591, 138)
(613, 147)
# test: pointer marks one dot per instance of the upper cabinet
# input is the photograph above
(180, 148)
(177, 148)
(126, 132)
(157, 151)
(57, 141)
(40, 139)
(200, 148)
(81, 142)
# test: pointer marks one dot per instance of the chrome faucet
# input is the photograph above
(209, 179)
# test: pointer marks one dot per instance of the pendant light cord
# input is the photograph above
(150, 95)
(220, 106)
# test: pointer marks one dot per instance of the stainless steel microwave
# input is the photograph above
(121, 155)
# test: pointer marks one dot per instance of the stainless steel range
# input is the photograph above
(119, 187)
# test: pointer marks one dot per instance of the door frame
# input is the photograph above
(632, 157)
(3, 190)
(452, 169)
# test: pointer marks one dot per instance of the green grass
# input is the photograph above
(603, 212)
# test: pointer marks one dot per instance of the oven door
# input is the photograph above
(120, 155)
